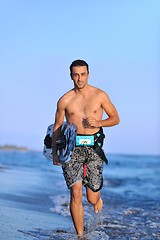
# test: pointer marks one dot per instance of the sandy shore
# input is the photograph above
(34, 200)
(25, 206)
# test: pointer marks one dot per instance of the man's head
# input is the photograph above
(78, 63)
(79, 72)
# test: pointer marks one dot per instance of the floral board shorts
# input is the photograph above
(86, 166)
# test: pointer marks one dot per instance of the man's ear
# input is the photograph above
(71, 76)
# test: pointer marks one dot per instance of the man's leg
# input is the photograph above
(76, 208)
(95, 199)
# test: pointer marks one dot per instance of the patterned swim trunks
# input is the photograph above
(86, 166)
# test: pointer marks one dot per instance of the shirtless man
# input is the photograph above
(83, 105)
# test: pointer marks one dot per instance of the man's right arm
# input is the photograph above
(59, 118)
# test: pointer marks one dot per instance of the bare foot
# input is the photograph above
(98, 206)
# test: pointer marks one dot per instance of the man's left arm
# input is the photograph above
(110, 110)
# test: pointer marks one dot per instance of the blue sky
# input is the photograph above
(119, 40)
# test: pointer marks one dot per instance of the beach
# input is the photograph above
(25, 200)
(34, 199)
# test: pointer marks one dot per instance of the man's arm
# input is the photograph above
(59, 118)
(110, 110)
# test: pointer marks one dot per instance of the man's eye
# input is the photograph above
(75, 75)
(83, 74)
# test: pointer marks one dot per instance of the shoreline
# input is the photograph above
(8, 147)
(34, 200)
(25, 206)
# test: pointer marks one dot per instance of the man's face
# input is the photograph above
(80, 76)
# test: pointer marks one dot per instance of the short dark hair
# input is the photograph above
(78, 63)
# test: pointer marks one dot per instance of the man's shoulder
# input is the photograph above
(67, 95)
(98, 91)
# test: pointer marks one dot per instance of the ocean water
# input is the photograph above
(131, 196)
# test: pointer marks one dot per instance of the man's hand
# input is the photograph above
(92, 122)
(56, 160)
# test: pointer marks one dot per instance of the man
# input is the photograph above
(83, 106)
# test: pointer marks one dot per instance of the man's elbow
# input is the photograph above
(117, 120)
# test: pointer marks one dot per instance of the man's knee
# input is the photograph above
(76, 193)
(93, 197)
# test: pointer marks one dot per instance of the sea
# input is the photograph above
(131, 196)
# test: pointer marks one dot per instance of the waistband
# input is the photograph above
(90, 139)
(100, 131)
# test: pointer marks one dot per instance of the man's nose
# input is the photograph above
(79, 77)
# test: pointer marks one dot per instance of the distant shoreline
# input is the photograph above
(13, 147)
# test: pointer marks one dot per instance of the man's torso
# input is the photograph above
(78, 108)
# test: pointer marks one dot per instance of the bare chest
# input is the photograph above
(84, 106)
(87, 105)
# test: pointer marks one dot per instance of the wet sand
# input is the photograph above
(25, 206)
(34, 200)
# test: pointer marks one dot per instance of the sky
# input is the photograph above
(119, 39)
